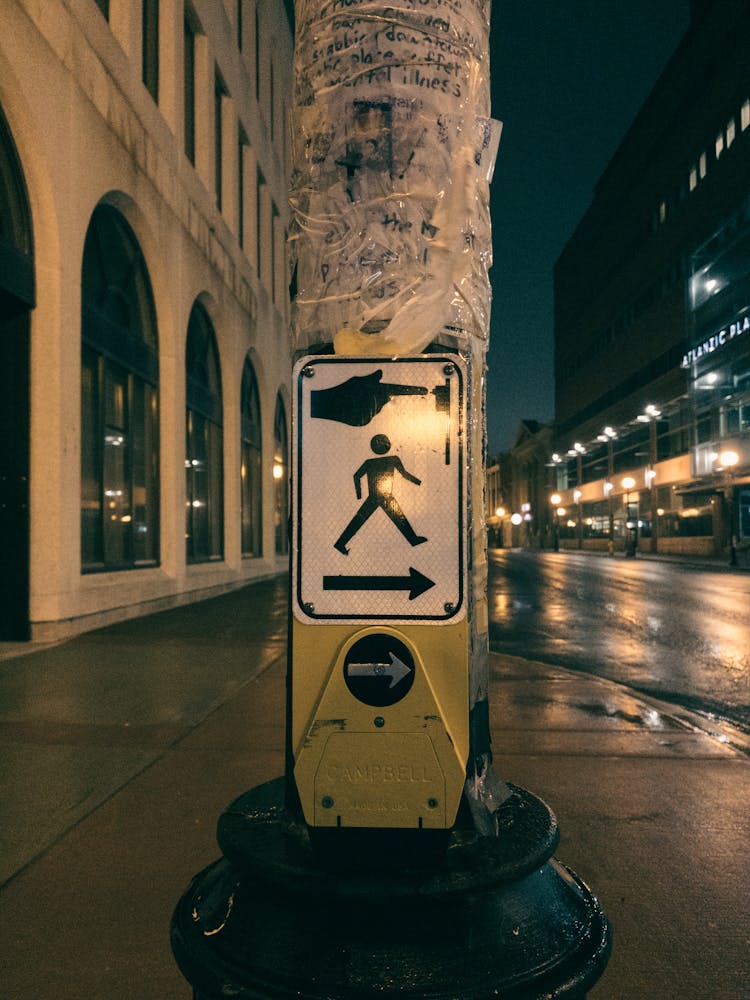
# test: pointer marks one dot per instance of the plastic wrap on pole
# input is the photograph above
(394, 150)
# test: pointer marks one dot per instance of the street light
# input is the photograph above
(632, 533)
(728, 460)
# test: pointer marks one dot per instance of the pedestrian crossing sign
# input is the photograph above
(379, 505)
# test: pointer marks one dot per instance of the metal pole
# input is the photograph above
(393, 152)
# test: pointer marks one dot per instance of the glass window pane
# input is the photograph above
(91, 486)
(196, 466)
(119, 370)
(281, 481)
(744, 513)
(115, 389)
(251, 500)
(144, 434)
(204, 443)
(117, 515)
(219, 95)
(188, 70)
(215, 493)
(251, 481)
(150, 43)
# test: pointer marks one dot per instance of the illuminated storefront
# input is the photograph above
(719, 364)
(677, 477)
(652, 319)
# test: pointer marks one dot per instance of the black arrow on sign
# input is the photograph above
(416, 583)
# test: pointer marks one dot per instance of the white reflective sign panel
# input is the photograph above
(378, 519)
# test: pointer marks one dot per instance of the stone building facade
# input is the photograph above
(144, 305)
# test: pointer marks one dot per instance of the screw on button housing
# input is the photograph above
(379, 721)
(327, 802)
(432, 803)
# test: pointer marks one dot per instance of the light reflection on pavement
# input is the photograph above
(673, 631)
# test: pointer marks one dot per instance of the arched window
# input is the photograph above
(119, 401)
(281, 479)
(204, 530)
(251, 482)
(16, 302)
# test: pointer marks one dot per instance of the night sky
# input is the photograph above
(567, 78)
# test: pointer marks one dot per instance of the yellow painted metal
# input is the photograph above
(399, 766)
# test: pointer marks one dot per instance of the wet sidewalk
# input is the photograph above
(121, 747)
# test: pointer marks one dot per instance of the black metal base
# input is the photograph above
(486, 918)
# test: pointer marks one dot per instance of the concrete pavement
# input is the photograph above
(121, 747)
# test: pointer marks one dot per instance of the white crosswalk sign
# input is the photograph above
(378, 516)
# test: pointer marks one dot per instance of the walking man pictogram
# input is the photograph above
(380, 473)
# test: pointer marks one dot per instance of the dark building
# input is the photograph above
(652, 314)
(516, 490)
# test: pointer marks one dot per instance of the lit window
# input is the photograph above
(693, 182)
(719, 144)
(663, 211)
(730, 132)
(702, 166)
(204, 529)
(745, 115)
(119, 401)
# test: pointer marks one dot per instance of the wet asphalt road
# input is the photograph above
(671, 631)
